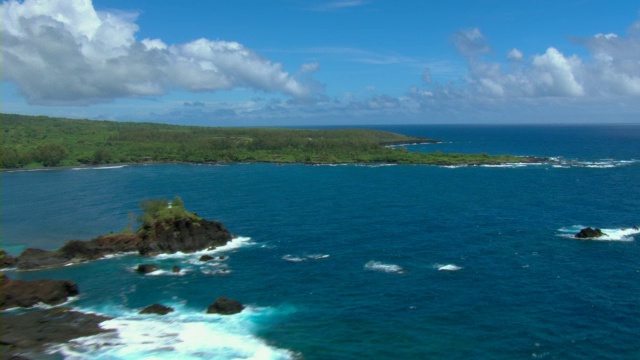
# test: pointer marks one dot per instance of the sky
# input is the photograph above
(333, 62)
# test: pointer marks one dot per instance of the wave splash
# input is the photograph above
(621, 234)
(382, 267)
(182, 334)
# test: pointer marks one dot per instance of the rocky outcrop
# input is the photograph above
(225, 306)
(589, 233)
(157, 309)
(184, 235)
(31, 332)
(21, 293)
(146, 268)
(206, 258)
(6, 260)
(76, 251)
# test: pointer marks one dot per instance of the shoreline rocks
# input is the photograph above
(21, 293)
(26, 335)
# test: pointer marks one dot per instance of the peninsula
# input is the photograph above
(39, 141)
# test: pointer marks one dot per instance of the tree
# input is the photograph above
(50, 154)
(102, 156)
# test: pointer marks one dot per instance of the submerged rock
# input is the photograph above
(176, 269)
(206, 258)
(157, 309)
(225, 306)
(21, 293)
(588, 232)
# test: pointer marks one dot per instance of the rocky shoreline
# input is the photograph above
(27, 335)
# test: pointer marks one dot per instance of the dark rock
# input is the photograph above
(176, 269)
(588, 233)
(6, 260)
(206, 258)
(225, 306)
(76, 251)
(21, 293)
(29, 333)
(157, 309)
(184, 235)
(146, 268)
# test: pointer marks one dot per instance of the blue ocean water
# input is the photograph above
(359, 262)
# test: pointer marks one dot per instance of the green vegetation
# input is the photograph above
(35, 141)
(161, 211)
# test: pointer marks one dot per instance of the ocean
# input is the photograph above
(364, 261)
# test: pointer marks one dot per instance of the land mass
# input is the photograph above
(40, 141)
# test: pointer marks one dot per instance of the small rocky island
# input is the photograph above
(166, 228)
(589, 233)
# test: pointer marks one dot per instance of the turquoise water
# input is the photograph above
(358, 262)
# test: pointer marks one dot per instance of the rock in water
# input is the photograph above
(176, 269)
(206, 258)
(185, 235)
(157, 309)
(225, 306)
(21, 293)
(146, 268)
(589, 233)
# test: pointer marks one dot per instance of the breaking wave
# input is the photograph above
(382, 267)
(182, 334)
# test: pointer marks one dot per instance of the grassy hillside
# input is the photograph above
(34, 141)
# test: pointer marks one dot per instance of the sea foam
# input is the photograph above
(382, 267)
(448, 267)
(182, 334)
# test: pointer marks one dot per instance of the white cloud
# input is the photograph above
(64, 52)
(515, 54)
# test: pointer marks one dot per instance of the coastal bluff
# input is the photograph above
(166, 228)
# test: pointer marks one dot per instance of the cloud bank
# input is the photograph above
(64, 52)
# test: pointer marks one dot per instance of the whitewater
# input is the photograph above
(360, 262)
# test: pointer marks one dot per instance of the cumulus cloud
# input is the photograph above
(612, 69)
(64, 52)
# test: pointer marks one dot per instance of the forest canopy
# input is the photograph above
(40, 141)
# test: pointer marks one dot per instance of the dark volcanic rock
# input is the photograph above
(225, 306)
(20, 293)
(146, 268)
(6, 260)
(27, 334)
(206, 258)
(176, 269)
(76, 251)
(157, 309)
(184, 235)
(588, 232)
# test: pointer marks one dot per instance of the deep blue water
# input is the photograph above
(342, 262)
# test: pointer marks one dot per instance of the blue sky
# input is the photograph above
(249, 62)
